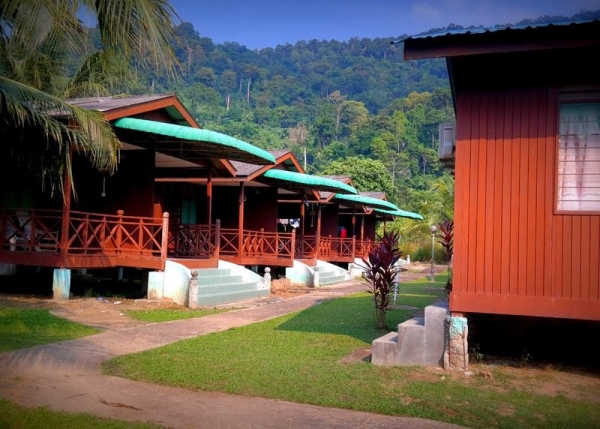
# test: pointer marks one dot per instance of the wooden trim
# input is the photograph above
(569, 308)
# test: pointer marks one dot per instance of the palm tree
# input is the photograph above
(38, 127)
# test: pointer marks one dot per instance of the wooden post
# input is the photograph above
(293, 244)
(241, 221)
(362, 228)
(119, 237)
(165, 238)
(66, 210)
(217, 238)
(353, 247)
(209, 193)
(318, 241)
(262, 243)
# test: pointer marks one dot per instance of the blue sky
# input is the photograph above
(267, 23)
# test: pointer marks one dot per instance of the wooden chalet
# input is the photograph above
(123, 220)
(527, 167)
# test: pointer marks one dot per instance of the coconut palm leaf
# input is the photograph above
(28, 111)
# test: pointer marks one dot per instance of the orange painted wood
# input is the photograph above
(550, 237)
(567, 246)
(594, 257)
(473, 201)
(497, 162)
(514, 180)
(524, 207)
(533, 227)
(461, 199)
(557, 224)
(506, 222)
(585, 258)
(488, 142)
(575, 258)
(480, 184)
(526, 306)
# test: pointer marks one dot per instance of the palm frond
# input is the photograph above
(57, 126)
(137, 28)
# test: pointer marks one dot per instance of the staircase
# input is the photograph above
(330, 274)
(419, 341)
(222, 286)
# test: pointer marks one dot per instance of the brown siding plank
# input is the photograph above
(507, 206)
(523, 230)
(483, 229)
(584, 290)
(473, 201)
(490, 268)
(575, 258)
(550, 240)
(595, 257)
(565, 260)
(497, 243)
(533, 213)
(461, 232)
(514, 179)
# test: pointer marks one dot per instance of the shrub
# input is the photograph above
(381, 272)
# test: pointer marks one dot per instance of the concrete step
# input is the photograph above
(419, 341)
(214, 272)
(226, 297)
(218, 280)
(331, 280)
(222, 288)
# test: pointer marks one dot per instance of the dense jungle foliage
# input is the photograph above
(353, 107)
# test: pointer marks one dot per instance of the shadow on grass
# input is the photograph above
(354, 315)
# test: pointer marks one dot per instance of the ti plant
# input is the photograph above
(446, 239)
(381, 271)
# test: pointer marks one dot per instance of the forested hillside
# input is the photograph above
(352, 107)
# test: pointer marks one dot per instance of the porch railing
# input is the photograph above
(336, 248)
(195, 241)
(257, 244)
(306, 247)
(27, 231)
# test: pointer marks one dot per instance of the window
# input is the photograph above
(579, 158)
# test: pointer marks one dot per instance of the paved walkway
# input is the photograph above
(66, 377)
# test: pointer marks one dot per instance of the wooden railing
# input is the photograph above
(306, 247)
(363, 247)
(257, 244)
(195, 241)
(87, 233)
(332, 248)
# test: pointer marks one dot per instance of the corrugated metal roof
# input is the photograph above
(311, 182)
(103, 104)
(400, 213)
(205, 142)
(244, 169)
(496, 28)
(366, 201)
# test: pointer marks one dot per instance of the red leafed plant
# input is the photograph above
(381, 272)
(446, 239)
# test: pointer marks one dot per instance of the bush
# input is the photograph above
(423, 254)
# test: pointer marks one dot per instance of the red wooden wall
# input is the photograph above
(513, 254)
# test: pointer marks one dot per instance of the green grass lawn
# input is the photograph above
(21, 328)
(166, 315)
(297, 358)
(15, 416)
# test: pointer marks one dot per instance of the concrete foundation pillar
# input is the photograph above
(61, 284)
(456, 355)
(316, 280)
(267, 277)
(155, 284)
(193, 290)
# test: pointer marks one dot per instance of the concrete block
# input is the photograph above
(435, 337)
(411, 340)
(155, 284)
(384, 350)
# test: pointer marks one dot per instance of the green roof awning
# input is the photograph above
(362, 200)
(400, 213)
(194, 143)
(311, 182)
